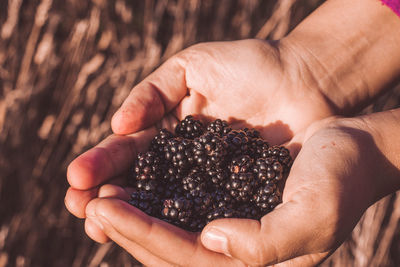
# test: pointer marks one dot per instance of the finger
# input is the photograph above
(76, 200)
(111, 157)
(163, 240)
(92, 228)
(152, 98)
(113, 191)
(137, 251)
(94, 231)
(282, 234)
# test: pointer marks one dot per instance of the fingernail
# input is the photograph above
(216, 240)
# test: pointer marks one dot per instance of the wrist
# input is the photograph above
(349, 50)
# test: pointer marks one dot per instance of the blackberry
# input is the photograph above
(177, 210)
(222, 199)
(219, 127)
(241, 164)
(171, 190)
(248, 211)
(217, 176)
(189, 128)
(241, 186)
(237, 142)
(147, 166)
(267, 198)
(257, 146)
(160, 141)
(195, 182)
(281, 153)
(147, 185)
(195, 175)
(202, 203)
(179, 152)
(209, 150)
(252, 133)
(172, 174)
(268, 170)
(148, 202)
(147, 171)
(220, 212)
(196, 224)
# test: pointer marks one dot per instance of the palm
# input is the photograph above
(254, 91)
(244, 82)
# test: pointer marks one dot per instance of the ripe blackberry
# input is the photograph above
(209, 150)
(171, 190)
(220, 212)
(237, 142)
(172, 175)
(179, 152)
(257, 146)
(252, 133)
(196, 224)
(241, 186)
(160, 141)
(189, 128)
(177, 210)
(147, 166)
(146, 172)
(202, 203)
(147, 185)
(222, 198)
(248, 210)
(241, 164)
(148, 202)
(281, 153)
(195, 182)
(195, 176)
(267, 198)
(222, 206)
(219, 127)
(268, 170)
(217, 176)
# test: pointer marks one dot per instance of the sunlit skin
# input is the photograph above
(285, 89)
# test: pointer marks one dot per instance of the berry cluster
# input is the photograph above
(200, 174)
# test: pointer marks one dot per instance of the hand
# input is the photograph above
(330, 185)
(252, 81)
(249, 82)
(281, 87)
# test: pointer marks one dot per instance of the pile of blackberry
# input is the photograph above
(202, 173)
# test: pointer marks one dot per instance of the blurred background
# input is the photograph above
(67, 65)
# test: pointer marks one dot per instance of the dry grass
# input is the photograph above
(65, 67)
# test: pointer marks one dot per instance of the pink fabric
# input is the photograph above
(393, 4)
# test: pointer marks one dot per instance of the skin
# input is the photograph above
(285, 89)
(353, 172)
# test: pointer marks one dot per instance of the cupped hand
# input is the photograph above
(249, 83)
(330, 185)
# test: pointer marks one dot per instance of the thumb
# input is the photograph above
(152, 98)
(283, 234)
